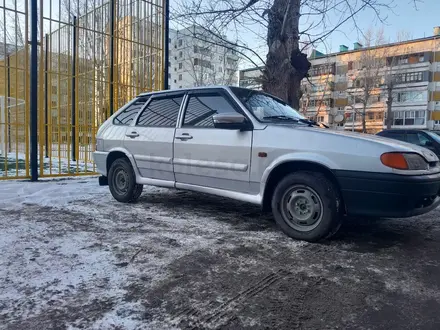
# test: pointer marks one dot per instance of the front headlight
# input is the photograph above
(404, 161)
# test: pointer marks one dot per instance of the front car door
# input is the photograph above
(150, 138)
(208, 156)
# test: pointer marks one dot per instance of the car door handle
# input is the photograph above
(184, 136)
(132, 134)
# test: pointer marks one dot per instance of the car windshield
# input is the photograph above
(266, 107)
(434, 136)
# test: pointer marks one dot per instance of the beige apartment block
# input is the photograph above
(335, 93)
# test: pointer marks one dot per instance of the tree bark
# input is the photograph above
(389, 107)
(364, 122)
(285, 66)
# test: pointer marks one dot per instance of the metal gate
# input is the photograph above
(91, 58)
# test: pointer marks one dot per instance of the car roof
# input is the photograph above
(403, 130)
(174, 90)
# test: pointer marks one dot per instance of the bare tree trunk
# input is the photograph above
(286, 66)
(389, 107)
(364, 114)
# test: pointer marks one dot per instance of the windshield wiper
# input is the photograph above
(282, 117)
(296, 120)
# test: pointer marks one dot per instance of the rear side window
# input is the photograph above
(128, 114)
(396, 136)
(161, 112)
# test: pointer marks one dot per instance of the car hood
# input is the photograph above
(394, 145)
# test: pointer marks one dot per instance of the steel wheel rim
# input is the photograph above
(120, 181)
(302, 208)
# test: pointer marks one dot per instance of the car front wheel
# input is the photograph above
(306, 206)
(122, 181)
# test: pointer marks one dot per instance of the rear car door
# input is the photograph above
(150, 138)
(208, 156)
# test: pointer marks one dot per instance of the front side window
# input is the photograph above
(128, 114)
(201, 108)
(161, 112)
(265, 107)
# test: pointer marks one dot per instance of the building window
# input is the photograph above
(371, 115)
(180, 77)
(169, 75)
(169, 40)
(161, 112)
(398, 118)
(420, 118)
(320, 119)
(408, 77)
(180, 42)
(180, 54)
(180, 65)
(409, 117)
(412, 96)
(175, 81)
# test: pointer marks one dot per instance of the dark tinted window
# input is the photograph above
(161, 112)
(396, 136)
(201, 108)
(128, 115)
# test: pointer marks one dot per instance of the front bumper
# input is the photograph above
(388, 195)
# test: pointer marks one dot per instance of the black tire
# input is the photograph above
(122, 181)
(137, 192)
(307, 206)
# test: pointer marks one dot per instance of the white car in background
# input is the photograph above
(252, 147)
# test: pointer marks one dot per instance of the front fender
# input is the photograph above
(300, 157)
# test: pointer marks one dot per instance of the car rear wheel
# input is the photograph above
(122, 182)
(306, 206)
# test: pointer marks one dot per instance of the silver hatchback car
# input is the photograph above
(250, 146)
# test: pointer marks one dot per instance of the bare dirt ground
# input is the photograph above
(72, 258)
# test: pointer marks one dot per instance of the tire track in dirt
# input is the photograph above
(192, 318)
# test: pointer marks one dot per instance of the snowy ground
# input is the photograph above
(73, 258)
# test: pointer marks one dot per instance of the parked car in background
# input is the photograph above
(253, 147)
(423, 138)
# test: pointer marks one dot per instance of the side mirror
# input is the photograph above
(231, 121)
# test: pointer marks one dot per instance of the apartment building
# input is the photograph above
(197, 58)
(334, 93)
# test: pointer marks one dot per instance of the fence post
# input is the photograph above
(9, 104)
(73, 116)
(46, 105)
(167, 44)
(112, 54)
(33, 100)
